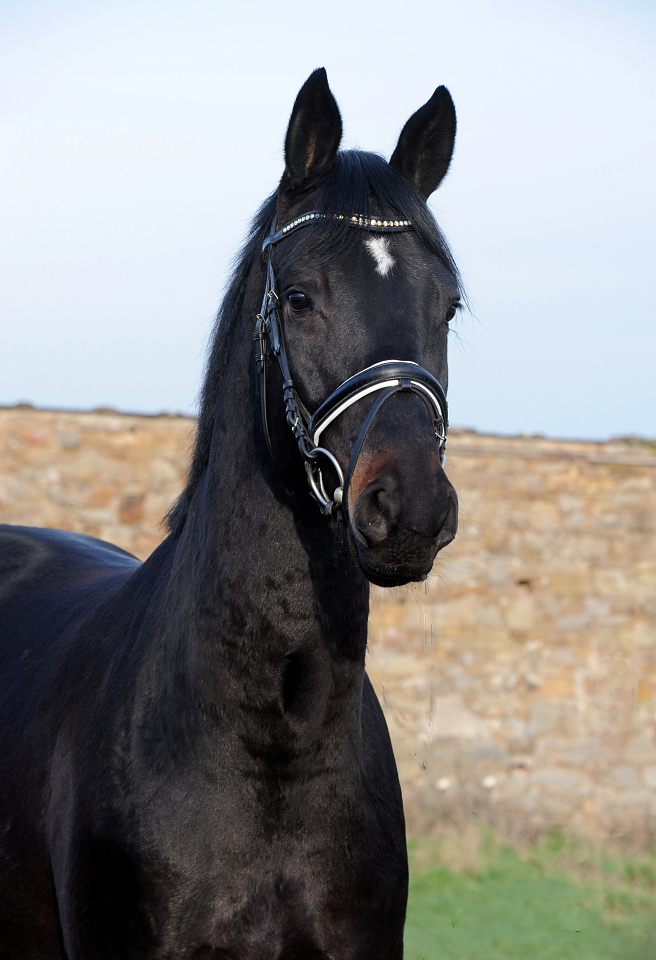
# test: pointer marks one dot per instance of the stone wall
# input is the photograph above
(519, 682)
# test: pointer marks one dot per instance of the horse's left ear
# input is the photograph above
(425, 147)
(313, 136)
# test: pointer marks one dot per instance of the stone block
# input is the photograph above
(561, 782)
(557, 687)
(545, 516)
(452, 719)
(520, 613)
(487, 750)
(575, 581)
(560, 751)
(625, 777)
(640, 750)
(131, 508)
(545, 715)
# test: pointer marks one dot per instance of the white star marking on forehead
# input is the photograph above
(378, 247)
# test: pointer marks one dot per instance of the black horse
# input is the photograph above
(193, 763)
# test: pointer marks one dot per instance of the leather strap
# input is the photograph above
(387, 373)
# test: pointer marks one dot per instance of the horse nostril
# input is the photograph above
(389, 504)
(377, 510)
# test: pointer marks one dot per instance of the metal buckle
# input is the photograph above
(315, 479)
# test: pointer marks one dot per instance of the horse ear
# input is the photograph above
(313, 135)
(425, 147)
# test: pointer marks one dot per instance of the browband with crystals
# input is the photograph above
(363, 223)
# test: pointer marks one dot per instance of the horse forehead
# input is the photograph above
(406, 263)
(400, 259)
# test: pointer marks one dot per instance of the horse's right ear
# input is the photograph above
(313, 136)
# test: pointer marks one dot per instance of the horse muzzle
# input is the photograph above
(394, 495)
(400, 507)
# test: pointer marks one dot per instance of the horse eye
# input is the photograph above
(298, 302)
(451, 312)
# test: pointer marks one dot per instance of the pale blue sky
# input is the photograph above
(137, 139)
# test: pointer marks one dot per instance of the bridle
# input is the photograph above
(385, 378)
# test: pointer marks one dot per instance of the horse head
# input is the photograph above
(360, 291)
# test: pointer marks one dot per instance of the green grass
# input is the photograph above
(473, 898)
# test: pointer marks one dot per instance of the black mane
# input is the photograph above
(359, 182)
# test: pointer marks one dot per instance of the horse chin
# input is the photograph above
(383, 569)
(382, 579)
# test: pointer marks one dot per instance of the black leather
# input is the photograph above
(380, 373)
(315, 216)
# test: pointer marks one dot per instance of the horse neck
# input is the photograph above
(260, 579)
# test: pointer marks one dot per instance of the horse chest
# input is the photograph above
(260, 886)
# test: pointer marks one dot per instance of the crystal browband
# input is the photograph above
(356, 220)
